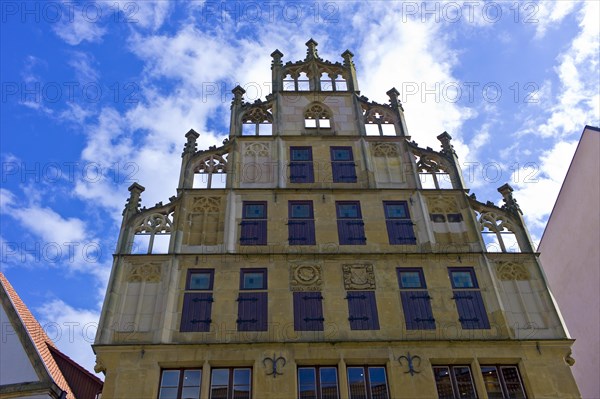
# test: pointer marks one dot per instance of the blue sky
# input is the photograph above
(97, 95)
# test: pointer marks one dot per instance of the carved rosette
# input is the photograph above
(257, 149)
(512, 271)
(147, 272)
(359, 277)
(305, 277)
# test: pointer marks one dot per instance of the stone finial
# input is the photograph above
(276, 58)
(311, 52)
(238, 94)
(347, 56)
(190, 146)
(134, 200)
(510, 204)
(447, 147)
(393, 95)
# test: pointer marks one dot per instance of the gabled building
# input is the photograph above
(320, 253)
(570, 254)
(31, 366)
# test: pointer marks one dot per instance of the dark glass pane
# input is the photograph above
(437, 218)
(241, 377)
(350, 211)
(200, 281)
(170, 378)
(443, 382)
(218, 392)
(191, 378)
(410, 279)
(190, 393)
(255, 211)
(341, 154)
(220, 377)
(301, 211)
(396, 211)
(377, 380)
(328, 375)
(356, 383)
(307, 383)
(462, 279)
(300, 154)
(512, 381)
(492, 382)
(455, 218)
(241, 392)
(254, 280)
(168, 393)
(464, 383)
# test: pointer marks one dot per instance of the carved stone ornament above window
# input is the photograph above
(206, 204)
(257, 149)
(442, 204)
(147, 272)
(305, 277)
(359, 277)
(512, 271)
(385, 150)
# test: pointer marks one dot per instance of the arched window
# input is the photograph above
(257, 122)
(498, 232)
(211, 172)
(379, 123)
(152, 234)
(318, 117)
(433, 173)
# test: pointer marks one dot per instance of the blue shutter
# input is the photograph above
(351, 232)
(417, 310)
(301, 232)
(342, 165)
(400, 231)
(308, 311)
(254, 228)
(471, 310)
(252, 311)
(196, 312)
(362, 310)
(301, 165)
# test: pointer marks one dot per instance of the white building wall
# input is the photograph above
(15, 365)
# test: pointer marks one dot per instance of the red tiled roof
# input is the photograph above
(38, 337)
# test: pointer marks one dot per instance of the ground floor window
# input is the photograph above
(454, 382)
(318, 382)
(503, 382)
(180, 384)
(230, 383)
(369, 382)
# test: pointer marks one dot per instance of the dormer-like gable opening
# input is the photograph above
(318, 116)
(380, 122)
(257, 121)
(333, 81)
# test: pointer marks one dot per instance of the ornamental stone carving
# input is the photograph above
(512, 271)
(305, 277)
(385, 150)
(359, 277)
(442, 204)
(206, 204)
(147, 272)
(257, 150)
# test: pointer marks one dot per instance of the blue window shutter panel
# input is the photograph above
(308, 311)
(252, 311)
(301, 231)
(471, 310)
(362, 310)
(400, 232)
(196, 312)
(351, 232)
(417, 310)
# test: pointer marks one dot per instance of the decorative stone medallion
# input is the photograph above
(148, 272)
(358, 276)
(512, 271)
(305, 277)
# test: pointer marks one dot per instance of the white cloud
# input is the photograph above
(72, 329)
(80, 23)
(547, 14)
(83, 64)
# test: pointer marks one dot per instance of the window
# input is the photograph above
(379, 123)
(362, 310)
(416, 302)
(469, 302)
(197, 306)
(301, 223)
(317, 116)
(342, 165)
(318, 383)
(230, 383)
(180, 384)
(308, 311)
(254, 223)
(252, 306)
(301, 165)
(257, 122)
(503, 382)
(351, 229)
(454, 382)
(367, 382)
(399, 226)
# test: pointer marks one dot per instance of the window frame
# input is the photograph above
(423, 311)
(318, 379)
(343, 223)
(392, 221)
(261, 223)
(309, 164)
(338, 165)
(262, 270)
(456, 394)
(469, 301)
(501, 380)
(309, 222)
(211, 272)
(367, 379)
(230, 381)
(180, 385)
